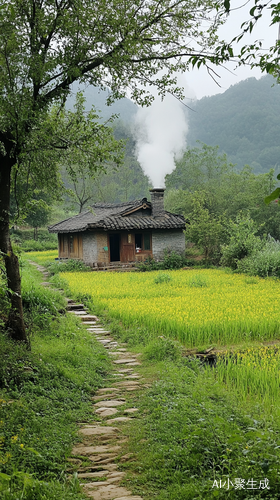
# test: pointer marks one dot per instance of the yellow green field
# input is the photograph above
(194, 306)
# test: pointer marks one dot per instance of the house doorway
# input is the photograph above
(114, 247)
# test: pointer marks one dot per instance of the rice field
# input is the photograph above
(253, 373)
(42, 257)
(196, 307)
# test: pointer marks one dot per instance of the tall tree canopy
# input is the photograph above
(46, 45)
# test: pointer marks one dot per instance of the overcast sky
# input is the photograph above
(201, 84)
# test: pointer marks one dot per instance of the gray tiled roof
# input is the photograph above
(110, 216)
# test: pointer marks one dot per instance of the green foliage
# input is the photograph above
(162, 349)
(45, 393)
(171, 260)
(193, 431)
(17, 363)
(205, 230)
(197, 281)
(162, 278)
(71, 265)
(264, 262)
(205, 175)
(243, 241)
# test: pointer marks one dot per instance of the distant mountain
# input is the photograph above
(244, 122)
(125, 108)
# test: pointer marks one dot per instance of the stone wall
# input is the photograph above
(167, 240)
(93, 248)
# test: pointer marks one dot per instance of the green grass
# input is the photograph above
(192, 431)
(43, 394)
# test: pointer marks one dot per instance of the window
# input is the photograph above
(147, 243)
(142, 241)
(138, 241)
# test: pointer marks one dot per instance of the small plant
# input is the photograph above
(163, 349)
(68, 266)
(162, 278)
(197, 281)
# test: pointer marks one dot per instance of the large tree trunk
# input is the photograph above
(15, 323)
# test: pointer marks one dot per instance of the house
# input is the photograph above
(124, 232)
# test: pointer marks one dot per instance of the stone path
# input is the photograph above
(96, 459)
(102, 442)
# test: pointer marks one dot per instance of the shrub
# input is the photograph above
(265, 262)
(243, 241)
(197, 281)
(172, 260)
(162, 278)
(71, 265)
(163, 349)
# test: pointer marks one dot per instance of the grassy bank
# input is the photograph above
(43, 394)
(196, 440)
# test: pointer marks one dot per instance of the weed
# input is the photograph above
(162, 278)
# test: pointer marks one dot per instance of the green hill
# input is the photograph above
(244, 122)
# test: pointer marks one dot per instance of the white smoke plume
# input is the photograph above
(160, 132)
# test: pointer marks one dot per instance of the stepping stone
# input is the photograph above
(107, 389)
(134, 388)
(118, 419)
(110, 492)
(104, 396)
(94, 430)
(106, 412)
(125, 370)
(112, 477)
(88, 450)
(111, 403)
(72, 305)
(106, 473)
(117, 374)
(124, 361)
(132, 376)
(105, 341)
(45, 283)
(89, 323)
(89, 317)
(103, 458)
(99, 330)
(122, 350)
(130, 410)
(77, 313)
(127, 383)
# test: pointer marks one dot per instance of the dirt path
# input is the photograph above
(103, 442)
(97, 460)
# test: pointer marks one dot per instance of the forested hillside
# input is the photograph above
(243, 122)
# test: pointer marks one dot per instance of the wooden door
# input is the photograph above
(128, 254)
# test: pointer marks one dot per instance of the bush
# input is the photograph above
(38, 246)
(243, 241)
(163, 349)
(265, 262)
(162, 278)
(172, 260)
(68, 266)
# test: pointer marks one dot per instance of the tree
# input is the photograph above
(267, 60)
(90, 149)
(224, 190)
(46, 45)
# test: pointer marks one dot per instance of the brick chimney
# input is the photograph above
(157, 195)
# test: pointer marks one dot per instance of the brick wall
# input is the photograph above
(170, 240)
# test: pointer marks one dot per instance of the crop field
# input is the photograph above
(196, 307)
(42, 257)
